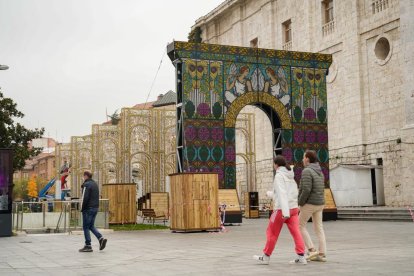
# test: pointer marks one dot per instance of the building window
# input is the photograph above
(379, 5)
(328, 21)
(328, 11)
(254, 43)
(380, 162)
(287, 35)
(383, 49)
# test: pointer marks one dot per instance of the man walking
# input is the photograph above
(90, 206)
(311, 202)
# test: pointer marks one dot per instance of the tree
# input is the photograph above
(32, 187)
(195, 35)
(20, 190)
(115, 118)
(15, 136)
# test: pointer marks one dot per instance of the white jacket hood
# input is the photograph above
(288, 174)
(285, 191)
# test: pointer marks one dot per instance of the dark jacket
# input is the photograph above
(312, 186)
(91, 195)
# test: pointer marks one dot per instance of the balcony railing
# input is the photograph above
(287, 46)
(328, 28)
(379, 5)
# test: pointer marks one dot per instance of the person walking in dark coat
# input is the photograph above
(90, 206)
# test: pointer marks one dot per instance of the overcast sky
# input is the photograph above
(70, 60)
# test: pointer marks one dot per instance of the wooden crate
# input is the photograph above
(122, 202)
(251, 205)
(194, 202)
(329, 212)
(230, 198)
(159, 202)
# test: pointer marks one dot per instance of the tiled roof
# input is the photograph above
(168, 99)
(147, 105)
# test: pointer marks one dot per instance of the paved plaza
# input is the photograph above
(355, 248)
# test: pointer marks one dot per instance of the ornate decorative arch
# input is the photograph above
(255, 98)
(214, 83)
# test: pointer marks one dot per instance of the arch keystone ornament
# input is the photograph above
(254, 98)
(215, 82)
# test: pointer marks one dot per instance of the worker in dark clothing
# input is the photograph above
(90, 206)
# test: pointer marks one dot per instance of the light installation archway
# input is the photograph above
(214, 82)
(81, 148)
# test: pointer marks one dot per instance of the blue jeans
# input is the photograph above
(88, 218)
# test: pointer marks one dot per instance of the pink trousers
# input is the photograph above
(275, 226)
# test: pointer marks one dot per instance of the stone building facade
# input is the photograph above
(370, 83)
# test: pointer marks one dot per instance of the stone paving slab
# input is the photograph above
(354, 248)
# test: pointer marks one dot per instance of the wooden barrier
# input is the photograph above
(159, 203)
(122, 202)
(251, 205)
(329, 212)
(230, 198)
(194, 202)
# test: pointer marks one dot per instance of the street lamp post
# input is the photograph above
(4, 67)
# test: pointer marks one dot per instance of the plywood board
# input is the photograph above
(122, 202)
(230, 198)
(194, 202)
(159, 203)
(329, 200)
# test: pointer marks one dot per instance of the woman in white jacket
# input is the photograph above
(285, 210)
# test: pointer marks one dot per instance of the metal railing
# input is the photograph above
(379, 5)
(54, 216)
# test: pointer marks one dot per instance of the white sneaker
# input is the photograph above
(262, 259)
(299, 260)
